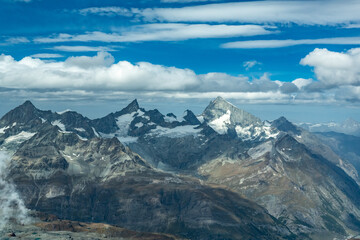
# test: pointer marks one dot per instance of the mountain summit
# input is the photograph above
(220, 108)
(132, 107)
(21, 114)
(225, 118)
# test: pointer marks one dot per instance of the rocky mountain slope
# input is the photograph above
(96, 179)
(346, 146)
(218, 150)
(307, 192)
(128, 169)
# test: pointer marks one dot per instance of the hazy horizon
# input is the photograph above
(98, 109)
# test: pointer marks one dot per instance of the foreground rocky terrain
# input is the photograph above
(224, 174)
(45, 226)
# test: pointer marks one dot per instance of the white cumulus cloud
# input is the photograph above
(101, 77)
(334, 69)
(98, 72)
(102, 72)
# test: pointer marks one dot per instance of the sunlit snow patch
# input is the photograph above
(62, 112)
(19, 138)
(59, 124)
(2, 130)
(220, 125)
(170, 119)
(179, 131)
(80, 129)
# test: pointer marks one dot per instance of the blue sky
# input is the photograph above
(300, 59)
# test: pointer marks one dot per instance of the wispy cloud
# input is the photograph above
(27, 1)
(82, 49)
(163, 32)
(352, 25)
(292, 42)
(300, 12)
(46, 55)
(250, 64)
(12, 207)
(106, 11)
(17, 40)
(188, 1)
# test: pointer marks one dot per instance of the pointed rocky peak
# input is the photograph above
(21, 114)
(132, 107)
(190, 117)
(221, 110)
(28, 104)
(219, 99)
(284, 125)
(27, 107)
(171, 115)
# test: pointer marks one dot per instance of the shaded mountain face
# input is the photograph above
(299, 179)
(22, 122)
(346, 146)
(101, 180)
(308, 193)
(317, 145)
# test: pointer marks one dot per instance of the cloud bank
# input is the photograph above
(98, 72)
(337, 79)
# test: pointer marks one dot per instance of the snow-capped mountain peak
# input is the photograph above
(226, 118)
(219, 107)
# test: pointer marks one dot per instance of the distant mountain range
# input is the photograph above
(349, 126)
(223, 174)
